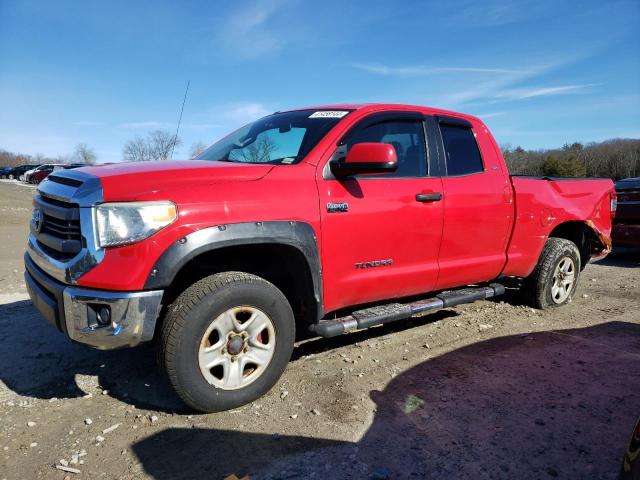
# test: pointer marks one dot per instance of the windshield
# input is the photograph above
(279, 139)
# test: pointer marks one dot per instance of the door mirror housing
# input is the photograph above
(366, 158)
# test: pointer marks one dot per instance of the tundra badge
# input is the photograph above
(374, 263)
(337, 207)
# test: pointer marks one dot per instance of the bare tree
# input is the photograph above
(84, 154)
(161, 143)
(157, 146)
(258, 152)
(64, 158)
(196, 148)
(136, 150)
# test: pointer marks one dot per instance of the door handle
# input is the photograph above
(429, 197)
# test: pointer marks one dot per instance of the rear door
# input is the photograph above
(477, 205)
(379, 239)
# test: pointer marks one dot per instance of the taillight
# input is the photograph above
(614, 203)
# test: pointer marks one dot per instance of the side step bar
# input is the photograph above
(392, 312)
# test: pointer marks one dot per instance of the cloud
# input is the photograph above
(524, 93)
(493, 13)
(467, 83)
(247, 33)
(461, 86)
(490, 114)
(244, 112)
(462, 90)
(421, 70)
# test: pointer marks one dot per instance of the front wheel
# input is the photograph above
(226, 341)
(555, 278)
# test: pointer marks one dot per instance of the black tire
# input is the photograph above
(540, 283)
(189, 317)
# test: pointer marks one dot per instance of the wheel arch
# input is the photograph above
(282, 252)
(586, 236)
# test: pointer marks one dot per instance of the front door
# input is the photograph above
(381, 234)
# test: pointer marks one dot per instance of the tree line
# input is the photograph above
(156, 146)
(617, 158)
(81, 154)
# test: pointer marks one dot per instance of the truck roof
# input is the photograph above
(386, 106)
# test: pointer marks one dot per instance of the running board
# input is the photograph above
(392, 312)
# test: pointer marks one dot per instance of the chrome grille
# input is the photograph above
(68, 230)
(58, 232)
(62, 243)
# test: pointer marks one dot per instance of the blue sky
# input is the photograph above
(540, 73)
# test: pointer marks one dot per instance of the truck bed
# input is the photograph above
(548, 202)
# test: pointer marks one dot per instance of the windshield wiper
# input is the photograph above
(227, 160)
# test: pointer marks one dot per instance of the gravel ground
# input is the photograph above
(488, 390)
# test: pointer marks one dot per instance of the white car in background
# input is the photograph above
(47, 166)
(24, 177)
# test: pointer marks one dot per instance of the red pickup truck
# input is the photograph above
(324, 220)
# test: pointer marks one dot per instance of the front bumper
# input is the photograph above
(72, 310)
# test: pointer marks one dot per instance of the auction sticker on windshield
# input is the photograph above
(329, 114)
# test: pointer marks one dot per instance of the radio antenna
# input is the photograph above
(175, 138)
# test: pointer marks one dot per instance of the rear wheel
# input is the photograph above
(226, 341)
(555, 278)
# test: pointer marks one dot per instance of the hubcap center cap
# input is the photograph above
(235, 345)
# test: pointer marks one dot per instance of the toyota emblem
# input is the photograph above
(36, 220)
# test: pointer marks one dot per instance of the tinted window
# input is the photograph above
(461, 150)
(407, 137)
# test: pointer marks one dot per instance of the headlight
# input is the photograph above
(130, 222)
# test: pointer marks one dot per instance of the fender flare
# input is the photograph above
(299, 235)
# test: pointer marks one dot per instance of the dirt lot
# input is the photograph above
(488, 390)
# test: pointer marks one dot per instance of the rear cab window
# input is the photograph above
(462, 154)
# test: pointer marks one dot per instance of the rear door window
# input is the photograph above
(461, 150)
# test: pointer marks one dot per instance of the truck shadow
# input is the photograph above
(37, 361)
(542, 405)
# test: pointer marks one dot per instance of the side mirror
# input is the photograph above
(366, 158)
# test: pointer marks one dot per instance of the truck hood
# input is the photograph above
(135, 180)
